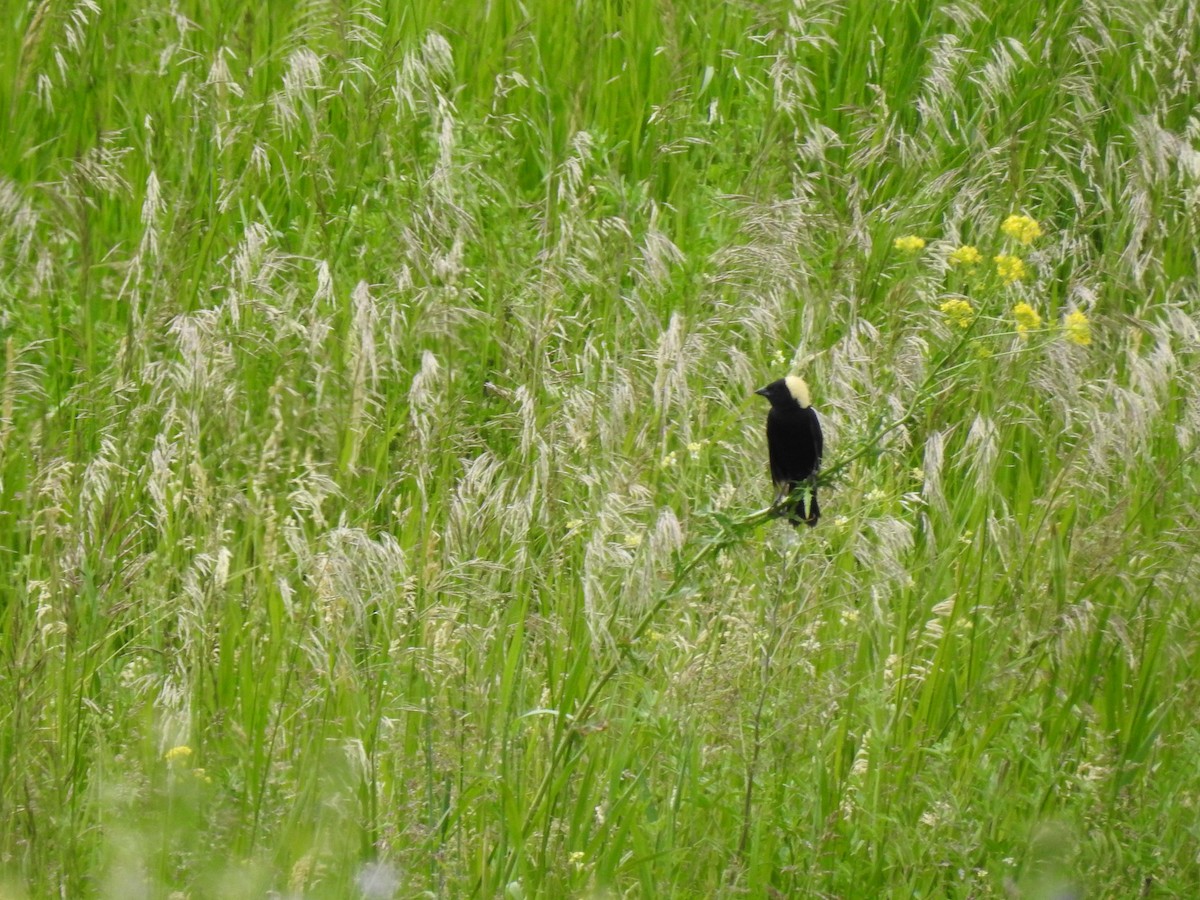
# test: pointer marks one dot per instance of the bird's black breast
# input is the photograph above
(794, 443)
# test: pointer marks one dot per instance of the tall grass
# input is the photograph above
(381, 484)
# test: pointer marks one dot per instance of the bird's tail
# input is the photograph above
(810, 515)
(804, 508)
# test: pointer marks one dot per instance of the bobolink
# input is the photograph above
(794, 443)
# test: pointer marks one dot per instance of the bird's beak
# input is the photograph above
(762, 392)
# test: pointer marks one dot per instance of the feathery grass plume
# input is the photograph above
(206, 360)
(939, 86)
(100, 169)
(888, 542)
(659, 256)
(18, 224)
(594, 590)
(668, 534)
(162, 480)
(95, 490)
(421, 397)
(311, 491)
(416, 89)
(30, 43)
(297, 98)
(76, 23)
(438, 55)
(931, 466)
(670, 377)
(479, 499)
(45, 92)
(910, 367)
(153, 208)
(201, 596)
(364, 367)
(359, 572)
(572, 170)
(995, 79)
(244, 267)
(221, 78)
(8, 393)
(622, 403)
(367, 27)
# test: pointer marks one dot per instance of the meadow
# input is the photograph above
(383, 491)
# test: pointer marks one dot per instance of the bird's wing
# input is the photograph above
(819, 438)
(777, 437)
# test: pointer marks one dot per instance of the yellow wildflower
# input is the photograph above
(1027, 318)
(1078, 330)
(633, 540)
(1010, 268)
(958, 311)
(910, 243)
(966, 255)
(1022, 228)
(178, 754)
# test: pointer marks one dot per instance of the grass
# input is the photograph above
(381, 485)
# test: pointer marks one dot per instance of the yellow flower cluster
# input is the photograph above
(966, 255)
(958, 311)
(1027, 318)
(1010, 268)
(1022, 229)
(910, 243)
(1077, 329)
(178, 754)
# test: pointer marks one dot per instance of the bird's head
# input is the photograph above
(785, 391)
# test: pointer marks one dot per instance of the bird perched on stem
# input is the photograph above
(795, 444)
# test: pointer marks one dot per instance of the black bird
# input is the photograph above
(795, 444)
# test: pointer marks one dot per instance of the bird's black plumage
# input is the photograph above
(795, 444)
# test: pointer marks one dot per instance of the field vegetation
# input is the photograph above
(382, 489)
